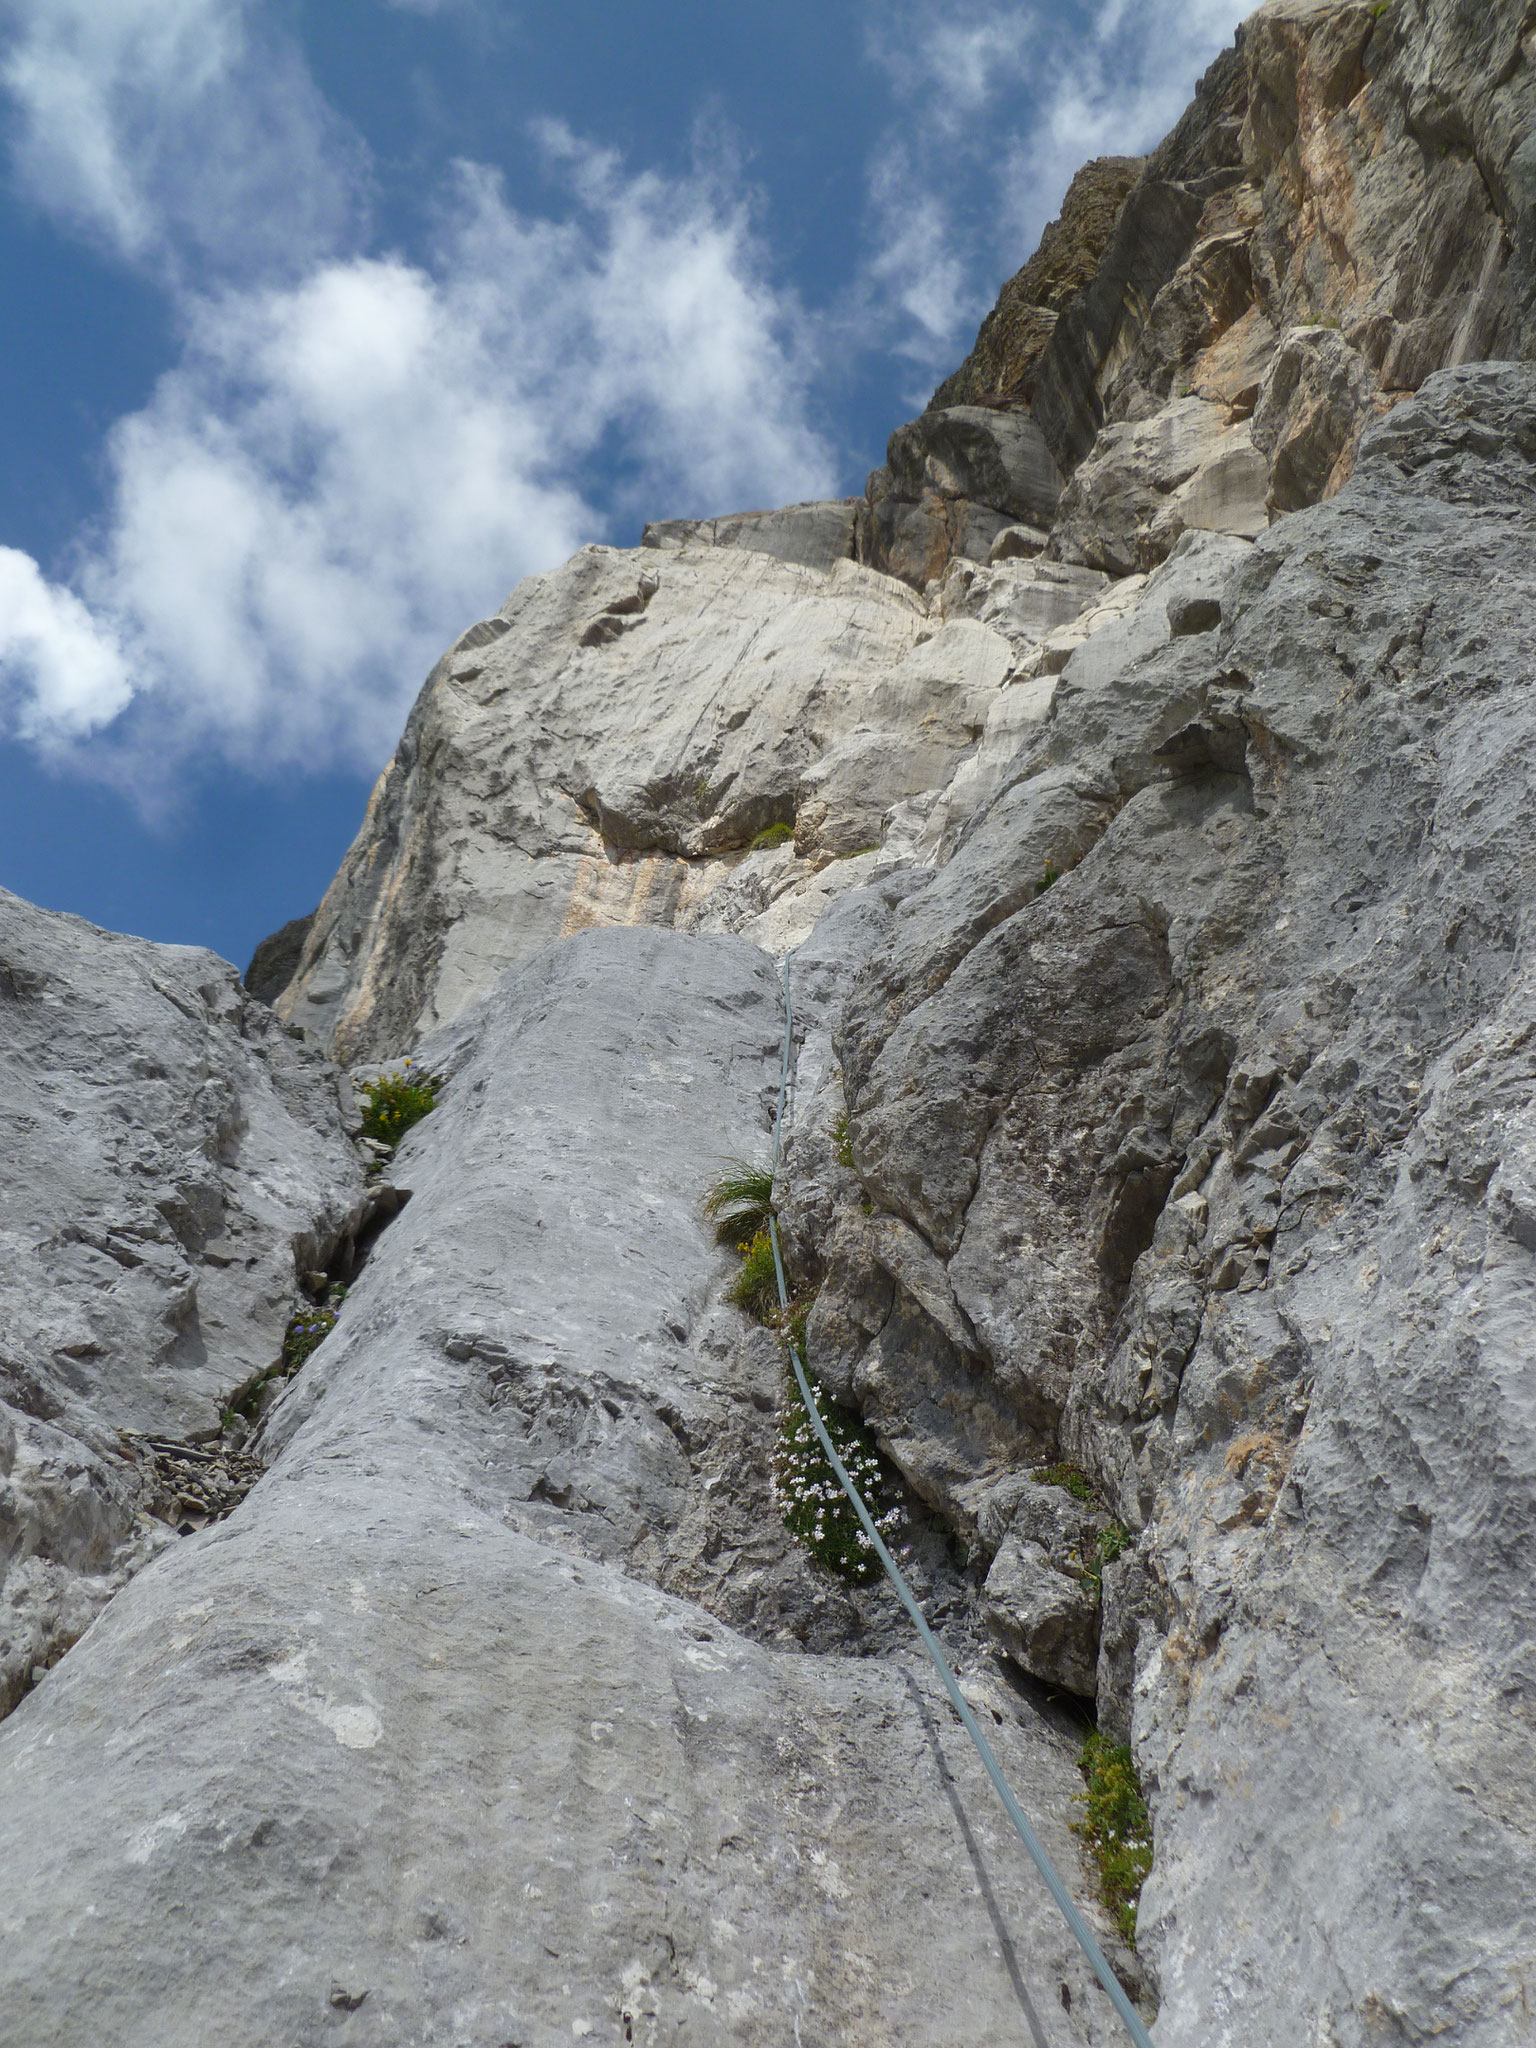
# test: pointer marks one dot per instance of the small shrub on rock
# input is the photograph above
(309, 1328)
(817, 1512)
(756, 1288)
(393, 1103)
(1109, 1544)
(1072, 1477)
(1116, 1828)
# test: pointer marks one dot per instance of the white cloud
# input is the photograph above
(64, 665)
(951, 61)
(920, 272)
(184, 134)
(343, 472)
(356, 453)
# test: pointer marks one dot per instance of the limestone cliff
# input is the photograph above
(1139, 783)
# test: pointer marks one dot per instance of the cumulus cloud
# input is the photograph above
(65, 664)
(953, 61)
(185, 135)
(343, 471)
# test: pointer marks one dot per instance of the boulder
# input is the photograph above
(978, 453)
(1046, 1620)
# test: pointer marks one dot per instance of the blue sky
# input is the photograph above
(325, 321)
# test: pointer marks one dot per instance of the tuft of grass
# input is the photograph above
(817, 1512)
(1072, 1477)
(756, 1288)
(771, 835)
(842, 1141)
(392, 1103)
(1116, 1827)
(1049, 878)
(739, 1203)
(1109, 1544)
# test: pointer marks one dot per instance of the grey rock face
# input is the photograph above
(955, 480)
(170, 1162)
(608, 753)
(1145, 482)
(814, 535)
(275, 961)
(1348, 206)
(1217, 1145)
(605, 757)
(409, 1756)
(1158, 900)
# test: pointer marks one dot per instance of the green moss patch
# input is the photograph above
(1072, 1477)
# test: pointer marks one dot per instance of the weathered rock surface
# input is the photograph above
(275, 961)
(599, 753)
(814, 535)
(170, 1163)
(605, 749)
(1213, 1155)
(953, 482)
(1156, 867)
(1014, 334)
(394, 1754)
(1348, 206)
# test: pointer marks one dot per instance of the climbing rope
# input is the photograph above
(1011, 1807)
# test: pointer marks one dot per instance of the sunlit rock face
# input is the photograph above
(1348, 206)
(415, 1746)
(1137, 785)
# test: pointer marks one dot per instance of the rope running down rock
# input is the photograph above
(1058, 1891)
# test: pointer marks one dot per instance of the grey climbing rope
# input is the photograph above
(1026, 1834)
